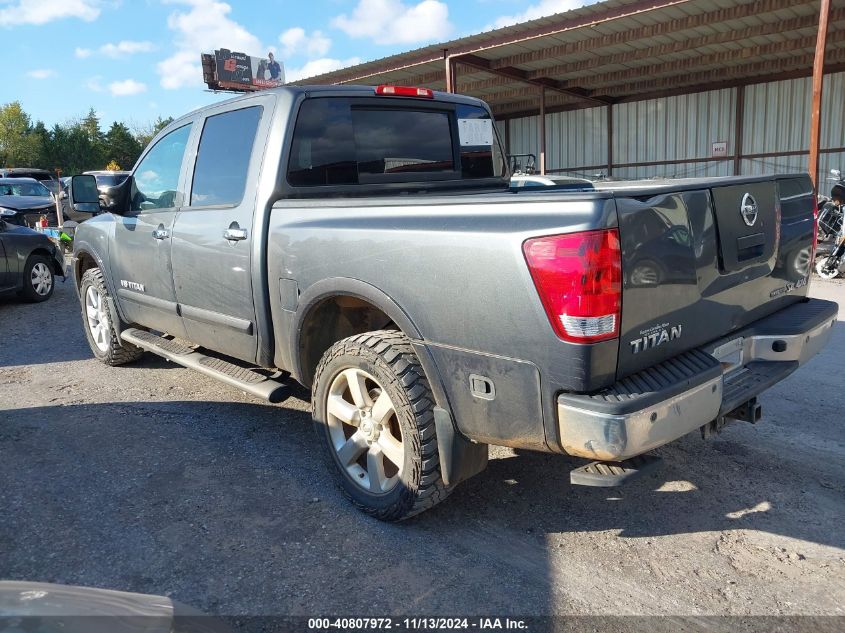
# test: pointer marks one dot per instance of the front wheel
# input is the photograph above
(38, 280)
(374, 413)
(824, 273)
(98, 320)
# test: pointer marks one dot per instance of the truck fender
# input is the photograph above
(89, 250)
(343, 286)
(460, 458)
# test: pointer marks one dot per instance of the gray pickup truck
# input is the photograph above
(364, 242)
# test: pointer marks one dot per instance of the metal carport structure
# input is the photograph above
(625, 51)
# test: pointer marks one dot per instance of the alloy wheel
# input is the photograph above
(97, 318)
(365, 431)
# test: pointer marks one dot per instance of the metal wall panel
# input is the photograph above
(524, 136)
(776, 119)
(577, 138)
(673, 128)
(826, 163)
(681, 170)
(833, 112)
(777, 116)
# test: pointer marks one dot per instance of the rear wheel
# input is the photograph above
(38, 280)
(373, 411)
(98, 322)
(822, 272)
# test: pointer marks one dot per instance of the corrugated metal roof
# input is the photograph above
(617, 50)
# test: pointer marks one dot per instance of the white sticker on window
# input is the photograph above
(475, 132)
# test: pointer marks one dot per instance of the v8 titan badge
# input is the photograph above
(748, 209)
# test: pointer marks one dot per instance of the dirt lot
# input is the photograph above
(154, 479)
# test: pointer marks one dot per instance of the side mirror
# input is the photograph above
(83, 190)
(86, 198)
(63, 195)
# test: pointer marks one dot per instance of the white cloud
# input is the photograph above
(393, 22)
(296, 41)
(539, 10)
(115, 51)
(126, 47)
(318, 67)
(44, 11)
(126, 88)
(203, 28)
(41, 73)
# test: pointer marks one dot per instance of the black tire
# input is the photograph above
(389, 358)
(116, 352)
(30, 290)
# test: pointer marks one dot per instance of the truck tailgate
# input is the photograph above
(702, 261)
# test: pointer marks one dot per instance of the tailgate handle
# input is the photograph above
(750, 246)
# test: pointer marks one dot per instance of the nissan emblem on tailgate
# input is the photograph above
(748, 209)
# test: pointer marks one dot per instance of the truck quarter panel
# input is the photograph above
(456, 266)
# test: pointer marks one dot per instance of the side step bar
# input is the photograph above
(243, 378)
(609, 474)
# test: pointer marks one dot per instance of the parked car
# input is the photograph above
(42, 175)
(107, 179)
(24, 201)
(366, 242)
(29, 262)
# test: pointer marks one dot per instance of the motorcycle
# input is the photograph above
(830, 243)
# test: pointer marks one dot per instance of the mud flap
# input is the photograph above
(460, 458)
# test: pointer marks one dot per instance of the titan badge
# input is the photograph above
(655, 336)
(132, 285)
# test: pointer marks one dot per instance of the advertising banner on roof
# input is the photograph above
(239, 70)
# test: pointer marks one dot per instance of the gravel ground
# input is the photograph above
(155, 479)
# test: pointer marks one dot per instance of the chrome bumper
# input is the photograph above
(608, 437)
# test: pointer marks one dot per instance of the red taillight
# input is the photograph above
(579, 279)
(404, 91)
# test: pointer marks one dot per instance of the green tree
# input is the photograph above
(96, 142)
(74, 146)
(19, 147)
(120, 146)
(45, 143)
(146, 133)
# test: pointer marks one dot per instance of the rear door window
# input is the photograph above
(339, 141)
(223, 157)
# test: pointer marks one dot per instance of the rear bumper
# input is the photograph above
(665, 402)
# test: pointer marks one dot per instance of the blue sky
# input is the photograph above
(135, 60)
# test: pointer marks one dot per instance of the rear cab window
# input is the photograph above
(369, 141)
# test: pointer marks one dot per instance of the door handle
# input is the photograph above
(161, 233)
(235, 233)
